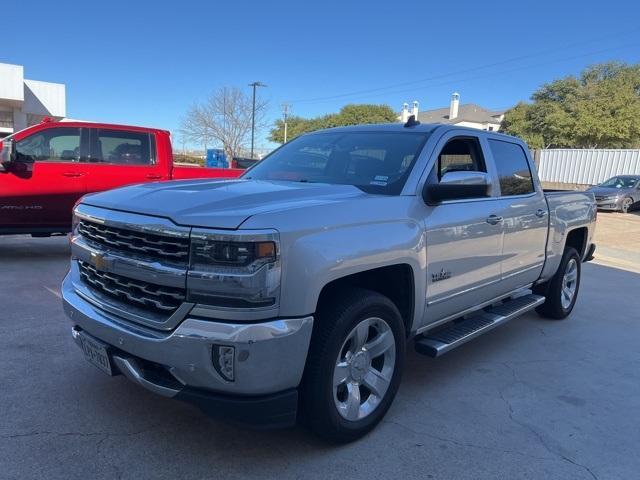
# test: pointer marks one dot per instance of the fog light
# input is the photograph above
(223, 358)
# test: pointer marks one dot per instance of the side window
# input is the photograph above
(60, 144)
(461, 154)
(513, 168)
(121, 147)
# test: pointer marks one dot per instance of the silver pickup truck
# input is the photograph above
(293, 292)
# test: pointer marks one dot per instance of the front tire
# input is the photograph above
(561, 291)
(626, 205)
(354, 365)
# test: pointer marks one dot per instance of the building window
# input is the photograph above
(6, 119)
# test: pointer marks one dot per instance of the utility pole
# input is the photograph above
(253, 113)
(285, 114)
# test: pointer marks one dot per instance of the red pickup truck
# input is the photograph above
(46, 168)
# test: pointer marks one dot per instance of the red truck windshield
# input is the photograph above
(376, 162)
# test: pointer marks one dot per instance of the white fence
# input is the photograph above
(585, 167)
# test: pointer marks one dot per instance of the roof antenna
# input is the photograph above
(411, 122)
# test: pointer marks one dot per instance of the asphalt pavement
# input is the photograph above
(534, 399)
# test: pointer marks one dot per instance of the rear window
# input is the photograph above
(377, 162)
(513, 168)
(121, 147)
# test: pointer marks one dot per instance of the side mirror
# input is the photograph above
(457, 186)
(11, 161)
(7, 152)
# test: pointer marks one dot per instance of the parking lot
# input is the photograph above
(533, 399)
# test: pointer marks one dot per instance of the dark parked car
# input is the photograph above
(621, 193)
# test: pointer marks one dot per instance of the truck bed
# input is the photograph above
(568, 210)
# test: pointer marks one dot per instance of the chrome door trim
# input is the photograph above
(462, 292)
(480, 306)
(518, 272)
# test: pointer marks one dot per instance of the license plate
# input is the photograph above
(96, 353)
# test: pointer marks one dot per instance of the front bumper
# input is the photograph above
(269, 356)
(610, 204)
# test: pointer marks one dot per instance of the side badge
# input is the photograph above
(441, 275)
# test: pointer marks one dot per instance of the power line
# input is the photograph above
(462, 80)
(457, 72)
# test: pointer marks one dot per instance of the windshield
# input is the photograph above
(377, 162)
(621, 182)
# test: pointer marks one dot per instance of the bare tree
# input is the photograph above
(224, 118)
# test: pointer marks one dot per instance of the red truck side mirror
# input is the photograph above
(7, 153)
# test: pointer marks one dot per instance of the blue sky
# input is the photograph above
(144, 63)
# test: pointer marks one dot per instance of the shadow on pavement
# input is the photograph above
(555, 393)
(25, 248)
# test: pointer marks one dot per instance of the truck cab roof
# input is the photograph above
(418, 127)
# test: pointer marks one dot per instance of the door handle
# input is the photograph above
(154, 176)
(494, 219)
(541, 212)
(72, 174)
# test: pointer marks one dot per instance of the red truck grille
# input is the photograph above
(158, 247)
(143, 294)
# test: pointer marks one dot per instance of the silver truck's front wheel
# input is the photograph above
(364, 369)
(354, 364)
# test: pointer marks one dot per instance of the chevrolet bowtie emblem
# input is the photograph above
(99, 261)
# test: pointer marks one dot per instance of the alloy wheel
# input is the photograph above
(364, 369)
(569, 283)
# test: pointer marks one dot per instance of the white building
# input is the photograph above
(466, 115)
(26, 102)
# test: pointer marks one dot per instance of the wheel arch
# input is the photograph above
(396, 282)
(577, 239)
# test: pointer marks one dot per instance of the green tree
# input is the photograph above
(348, 115)
(598, 109)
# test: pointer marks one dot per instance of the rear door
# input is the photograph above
(41, 198)
(121, 157)
(525, 214)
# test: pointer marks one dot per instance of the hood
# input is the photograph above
(605, 191)
(222, 204)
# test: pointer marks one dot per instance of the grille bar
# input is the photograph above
(155, 297)
(160, 247)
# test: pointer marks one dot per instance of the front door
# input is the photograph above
(464, 239)
(41, 197)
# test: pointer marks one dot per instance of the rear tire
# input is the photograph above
(354, 365)
(561, 292)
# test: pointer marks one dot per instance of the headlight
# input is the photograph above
(234, 270)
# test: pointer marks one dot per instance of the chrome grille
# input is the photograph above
(151, 245)
(142, 294)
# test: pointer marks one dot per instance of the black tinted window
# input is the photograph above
(513, 168)
(461, 155)
(375, 162)
(121, 147)
(55, 144)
